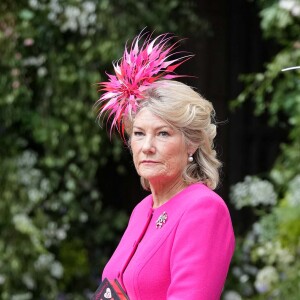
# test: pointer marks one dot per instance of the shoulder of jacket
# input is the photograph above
(200, 196)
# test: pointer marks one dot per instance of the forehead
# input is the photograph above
(146, 118)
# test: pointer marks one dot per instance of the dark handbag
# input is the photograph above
(110, 290)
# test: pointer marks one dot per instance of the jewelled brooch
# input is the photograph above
(161, 220)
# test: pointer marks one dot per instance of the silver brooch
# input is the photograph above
(161, 220)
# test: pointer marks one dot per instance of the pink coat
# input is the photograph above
(187, 258)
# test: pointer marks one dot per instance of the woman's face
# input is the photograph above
(159, 150)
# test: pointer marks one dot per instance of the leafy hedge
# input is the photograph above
(267, 259)
(56, 226)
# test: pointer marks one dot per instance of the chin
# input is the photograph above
(155, 178)
(148, 176)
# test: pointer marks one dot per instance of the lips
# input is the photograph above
(148, 162)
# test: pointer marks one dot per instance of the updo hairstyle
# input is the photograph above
(186, 110)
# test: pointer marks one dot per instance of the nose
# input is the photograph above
(148, 146)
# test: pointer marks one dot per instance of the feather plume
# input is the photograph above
(141, 65)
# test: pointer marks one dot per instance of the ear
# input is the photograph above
(191, 149)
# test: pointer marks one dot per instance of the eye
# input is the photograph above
(138, 133)
(163, 133)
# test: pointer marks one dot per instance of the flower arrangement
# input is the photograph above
(266, 265)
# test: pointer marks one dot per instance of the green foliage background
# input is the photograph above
(56, 228)
(267, 259)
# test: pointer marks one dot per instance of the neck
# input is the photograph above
(162, 192)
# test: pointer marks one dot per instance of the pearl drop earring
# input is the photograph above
(190, 159)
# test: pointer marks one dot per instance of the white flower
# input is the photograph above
(23, 223)
(286, 4)
(244, 278)
(237, 271)
(296, 11)
(293, 194)
(54, 234)
(44, 261)
(33, 3)
(273, 252)
(34, 195)
(56, 270)
(27, 159)
(253, 191)
(83, 217)
(25, 296)
(71, 13)
(89, 6)
(55, 7)
(71, 17)
(266, 278)
(293, 6)
(34, 60)
(285, 257)
(61, 234)
(42, 72)
(2, 279)
(45, 185)
(28, 281)
(232, 295)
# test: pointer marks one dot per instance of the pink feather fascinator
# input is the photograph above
(142, 64)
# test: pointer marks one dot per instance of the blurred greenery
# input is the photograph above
(57, 229)
(267, 261)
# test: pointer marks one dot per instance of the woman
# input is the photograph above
(179, 240)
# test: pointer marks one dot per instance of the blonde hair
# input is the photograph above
(183, 108)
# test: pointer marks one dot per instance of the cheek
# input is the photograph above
(176, 159)
(134, 152)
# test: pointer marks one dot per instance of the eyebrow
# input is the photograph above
(156, 128)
